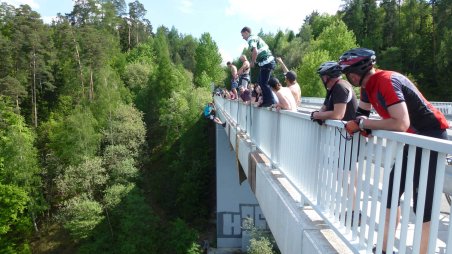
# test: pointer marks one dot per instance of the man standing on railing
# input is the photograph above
(262, 56)
(403, 108)
(234, 79)
(244, 72)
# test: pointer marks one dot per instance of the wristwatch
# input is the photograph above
(361, 123)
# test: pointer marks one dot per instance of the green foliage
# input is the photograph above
(88, 178)
(133, 214)
(19, 162)
(390, 22)
(181, 110)
(11, 87)
(390, 58)
(110, 93)
(74, 137)
(262, 241)
(187, 52)
(119, 163)
(136, 76)
(311, 85)
(335, 39)
(15, 226)
(260, 246)
(182, 238)
(114, 195)
(143, 54)
(125, 127)
(81, 215)
(208, 60)
(318, 22)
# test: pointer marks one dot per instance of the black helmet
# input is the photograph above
(357, 60)
(331, 69)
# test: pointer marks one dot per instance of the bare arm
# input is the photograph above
(253, 57)
(283, 102)
(234, 72)
(399, 119)
(245, 66)
(283, 66)
(337, 114)
(365, 105)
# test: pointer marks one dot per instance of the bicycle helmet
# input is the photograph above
(331, 69)
(357, 60)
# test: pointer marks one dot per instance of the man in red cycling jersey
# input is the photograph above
(402, 107)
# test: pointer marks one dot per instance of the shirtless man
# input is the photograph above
(291, 81)
(285, 97)
(244, 72)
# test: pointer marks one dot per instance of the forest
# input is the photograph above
(103, 147)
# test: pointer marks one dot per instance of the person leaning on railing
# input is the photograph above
(285, 99)
(402, 107)
(245, 94)
(291, 81)
(340, 104)
(340, 101)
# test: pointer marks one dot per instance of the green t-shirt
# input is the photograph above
(264, 55)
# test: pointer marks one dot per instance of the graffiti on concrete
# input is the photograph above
(229, 224)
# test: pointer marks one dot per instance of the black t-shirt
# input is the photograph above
(342, 92)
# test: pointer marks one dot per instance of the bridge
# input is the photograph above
(302, 179)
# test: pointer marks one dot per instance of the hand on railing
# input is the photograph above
(320, 122)
(353, 126)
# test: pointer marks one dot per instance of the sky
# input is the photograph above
(223, 19)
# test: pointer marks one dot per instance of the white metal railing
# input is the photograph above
(444, 107)
(316, 160)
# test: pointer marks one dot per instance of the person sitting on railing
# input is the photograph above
(285, 98)
(209, 113)
(402, 107)
(291, 81)
(340, 101)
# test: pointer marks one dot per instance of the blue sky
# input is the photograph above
(223, 19)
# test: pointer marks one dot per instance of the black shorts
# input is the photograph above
(442, 134)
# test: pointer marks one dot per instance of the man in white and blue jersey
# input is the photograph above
(262, 56)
